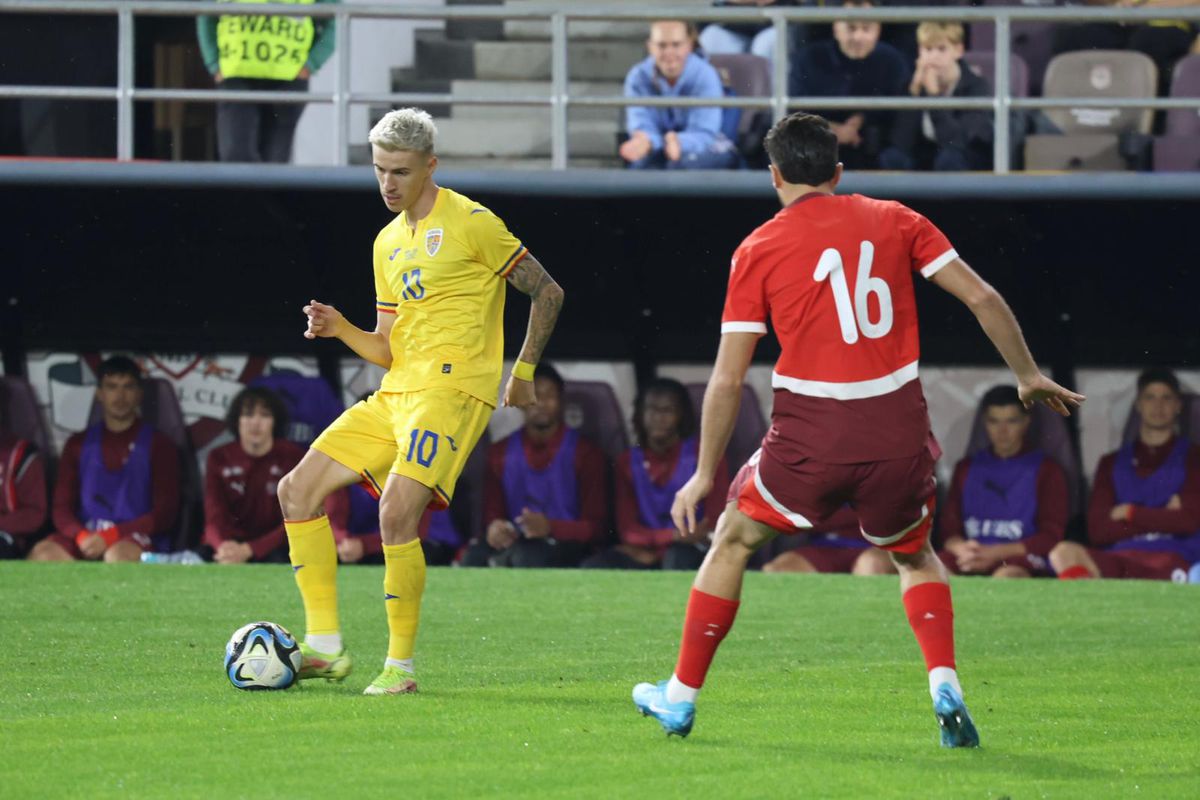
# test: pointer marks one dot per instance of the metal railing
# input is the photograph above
(125, 93)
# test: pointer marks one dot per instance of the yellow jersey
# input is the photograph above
(445, 282)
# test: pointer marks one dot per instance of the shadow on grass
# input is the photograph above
(936, 759)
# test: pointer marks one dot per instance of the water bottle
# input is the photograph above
(182, 557)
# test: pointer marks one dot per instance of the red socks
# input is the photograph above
(708, 619)
(1075, 573)
(931, 615)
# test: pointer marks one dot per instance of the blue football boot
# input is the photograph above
(675, 718)
(953, 718)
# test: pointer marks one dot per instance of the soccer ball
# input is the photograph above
(262, 655)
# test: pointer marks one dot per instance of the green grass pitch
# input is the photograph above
(111, 686)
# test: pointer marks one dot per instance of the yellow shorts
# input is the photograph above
(425, 435)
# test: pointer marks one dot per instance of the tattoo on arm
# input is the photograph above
(531, 278)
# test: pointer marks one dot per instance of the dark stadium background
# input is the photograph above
(224, 269)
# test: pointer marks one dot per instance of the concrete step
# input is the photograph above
(587, 60)
(402, 81)
(475, 30)
(516, 29)
(439, 58)
(530, 88)
(523, 137)
(405, 79)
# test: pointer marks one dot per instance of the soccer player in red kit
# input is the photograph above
(834, 275)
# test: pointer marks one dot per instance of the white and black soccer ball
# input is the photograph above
(262, 655)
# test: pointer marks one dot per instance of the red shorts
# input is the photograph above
(1036, 566)
(68, 544)
(1137, 564)
(893, 499)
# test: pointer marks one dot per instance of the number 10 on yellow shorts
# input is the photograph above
(425, 435)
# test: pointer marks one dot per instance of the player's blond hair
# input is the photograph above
(404, 129)
(929, 33)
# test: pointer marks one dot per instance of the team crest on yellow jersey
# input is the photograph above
(433, 242)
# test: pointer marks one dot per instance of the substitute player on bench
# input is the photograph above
(834, 275)
(440, 269)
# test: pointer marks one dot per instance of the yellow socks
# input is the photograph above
(403, 585)
(314, 562)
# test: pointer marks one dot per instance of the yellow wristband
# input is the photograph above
(523, 371)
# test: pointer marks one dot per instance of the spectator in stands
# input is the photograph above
(262, 53)
(942, 139)
(354, 516)
(756, 38)
(836, 545)
(544, 491)
(1007, 505)
(22, 493)
(1165, 41)
(118, 481)
(675, 138)
(1144, 514)
(855, 64)
(649, 474)
(242, 517)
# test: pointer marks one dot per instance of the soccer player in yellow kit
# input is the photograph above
(440, 270)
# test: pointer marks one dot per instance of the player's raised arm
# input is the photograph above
(325, 321)
(717, 417)
(530, 277)
(998, 322)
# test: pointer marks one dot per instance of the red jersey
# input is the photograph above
(1104, 531)
(240, 495)
(115, 449)
(591, 470)
(22, 487)
(833, 273)
(660, 467)
(1050, 522)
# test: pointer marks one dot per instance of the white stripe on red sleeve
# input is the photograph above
(930, 269)
(743, 327)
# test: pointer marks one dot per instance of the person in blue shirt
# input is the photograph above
(675, 138)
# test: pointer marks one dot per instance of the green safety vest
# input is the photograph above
(264, 46)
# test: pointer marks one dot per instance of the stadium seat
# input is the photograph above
(746, 75)
(983, 63)
(1093, 137)
(1178, 149)
(20, 412)
(1033, 42)
(1176, 153)
(1097, 152)
(1189, 420)
(160, 408)
(311, 403)
(592, 408)
(748, 429)
(1048, 432)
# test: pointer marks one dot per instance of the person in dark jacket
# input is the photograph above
(942, 139)
(854, 64)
